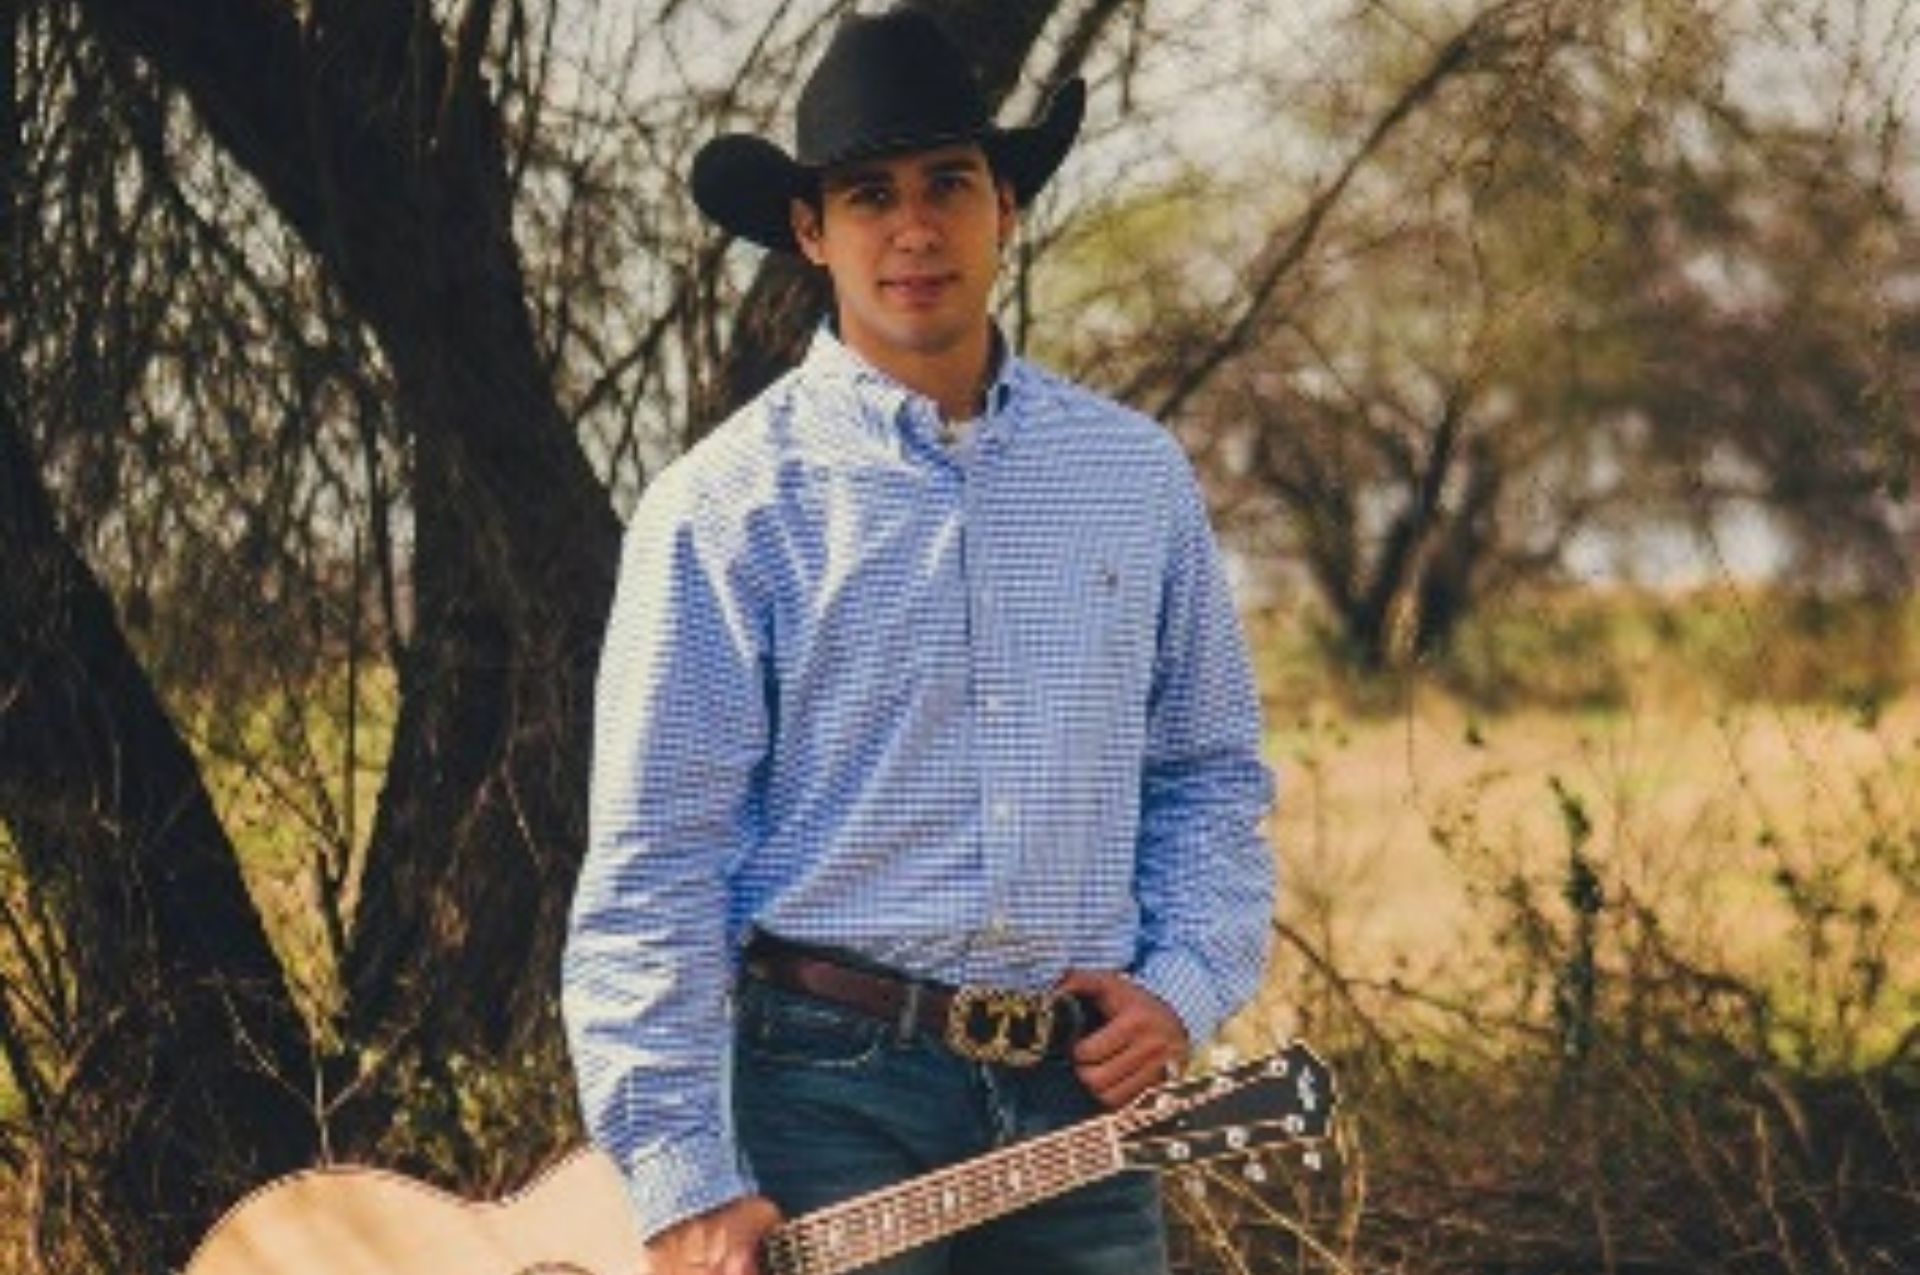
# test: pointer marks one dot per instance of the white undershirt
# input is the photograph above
(958, 435)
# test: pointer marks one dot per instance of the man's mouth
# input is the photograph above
(918, 289)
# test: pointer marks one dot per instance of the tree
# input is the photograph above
(376, 171)
(1567, 279)
(375, 141)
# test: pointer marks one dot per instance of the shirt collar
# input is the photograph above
(882, 398)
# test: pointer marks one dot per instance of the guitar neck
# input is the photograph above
(867, 1228)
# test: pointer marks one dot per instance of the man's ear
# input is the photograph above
(1009, 211)
(805, 219)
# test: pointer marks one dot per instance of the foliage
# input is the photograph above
(1632, 1055)
(1721, 644)
(1575, 274)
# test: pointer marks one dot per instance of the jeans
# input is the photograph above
(830, 1103)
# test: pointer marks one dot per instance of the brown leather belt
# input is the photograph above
(986, 1024)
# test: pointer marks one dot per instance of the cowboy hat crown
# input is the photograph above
(887, 84)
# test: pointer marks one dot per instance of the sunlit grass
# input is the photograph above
(1740, 819)
(1613, 922)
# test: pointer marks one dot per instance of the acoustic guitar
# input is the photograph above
(575, 1219)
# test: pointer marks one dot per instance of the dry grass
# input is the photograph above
(1622, 974)
(1609, 926)
(1392, 834)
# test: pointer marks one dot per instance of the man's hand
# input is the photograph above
(722, 1241)
(1140, 1044)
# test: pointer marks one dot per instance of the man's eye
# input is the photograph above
(868, 196)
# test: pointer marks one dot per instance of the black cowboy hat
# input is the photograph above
(886, 84)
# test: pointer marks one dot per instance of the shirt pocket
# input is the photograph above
(1087, 633)
(1121, 611)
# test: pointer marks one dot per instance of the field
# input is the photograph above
(1394, 832)
(1613, 921)
(1609, 923)
(1740, 767)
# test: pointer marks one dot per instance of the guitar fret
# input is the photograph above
(780, 1254)
(866, 1229)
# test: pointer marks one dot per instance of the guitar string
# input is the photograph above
(865, 1229)
(1056, 1162)
(1122, 1122)
(856, 1215)
(896, 1223)
(871, 1228)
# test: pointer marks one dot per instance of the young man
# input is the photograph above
(922, 687)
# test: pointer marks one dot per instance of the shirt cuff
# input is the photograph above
(681, 1179)
(1184, 985)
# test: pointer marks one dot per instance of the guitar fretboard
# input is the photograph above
(870, 1227)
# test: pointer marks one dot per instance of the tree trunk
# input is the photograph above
(370, 130)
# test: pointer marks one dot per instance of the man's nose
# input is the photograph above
(918, 225)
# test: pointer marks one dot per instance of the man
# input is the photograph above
(922, 687)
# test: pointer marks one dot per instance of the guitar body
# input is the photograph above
(573, 1220)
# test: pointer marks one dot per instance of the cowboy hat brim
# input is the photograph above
(746, 185)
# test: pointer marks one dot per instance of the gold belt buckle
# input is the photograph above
(1013, 1027)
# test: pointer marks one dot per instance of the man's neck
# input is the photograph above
(954, 378)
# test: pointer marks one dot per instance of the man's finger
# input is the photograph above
(1118, 1089)
(1141, 1064)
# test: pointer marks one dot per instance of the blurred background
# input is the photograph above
(1553, 370)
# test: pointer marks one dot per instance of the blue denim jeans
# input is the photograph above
(830, 1103)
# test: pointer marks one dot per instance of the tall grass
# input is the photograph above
(1646, 996)
(1609, 923)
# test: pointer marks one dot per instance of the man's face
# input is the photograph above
(912, 243)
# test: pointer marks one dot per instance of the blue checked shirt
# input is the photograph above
(983, 713)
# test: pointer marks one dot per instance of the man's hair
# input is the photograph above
(814, 194)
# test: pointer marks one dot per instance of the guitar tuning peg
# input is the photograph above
(1195, 1185)
(1312, 1160)
(1254, 1171)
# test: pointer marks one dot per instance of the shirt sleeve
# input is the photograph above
(680, 725)
(1206, 876)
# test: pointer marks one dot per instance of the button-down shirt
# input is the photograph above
(979, 712)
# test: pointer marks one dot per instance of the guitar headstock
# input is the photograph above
(1282, 1099)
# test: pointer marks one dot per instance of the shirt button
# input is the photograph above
(1002, 811)
(996, 705)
